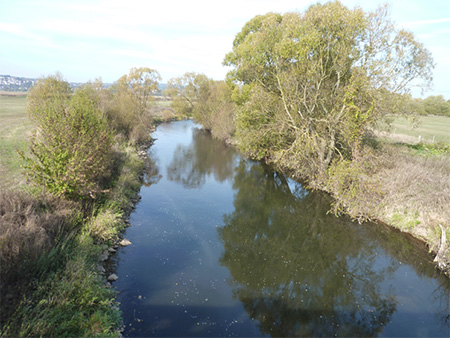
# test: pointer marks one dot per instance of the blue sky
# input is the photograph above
(88, 39)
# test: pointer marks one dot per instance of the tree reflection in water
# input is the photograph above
(151, 171)
(204, 156)
(297, 270)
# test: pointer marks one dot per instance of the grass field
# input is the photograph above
(14, 129)
(430, 129)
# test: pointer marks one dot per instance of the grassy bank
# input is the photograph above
(53, 283)
(51, 280)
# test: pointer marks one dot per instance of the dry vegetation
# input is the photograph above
(405, 186)
(417, 194)
(30, 229)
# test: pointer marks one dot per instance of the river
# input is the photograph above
(225, 246)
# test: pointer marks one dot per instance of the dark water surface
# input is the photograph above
(224, 246)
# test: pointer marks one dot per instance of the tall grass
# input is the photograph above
(34, 231)
(73, 301)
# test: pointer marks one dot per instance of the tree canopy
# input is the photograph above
(308, 85)
(207, 101)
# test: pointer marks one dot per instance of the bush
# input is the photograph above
(167, 115)
(354, 187)
(209, 102)
(70, 146)
(129, 109)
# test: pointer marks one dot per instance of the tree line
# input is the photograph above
(432, 105)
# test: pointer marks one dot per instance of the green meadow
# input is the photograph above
(14, 131)
(429, 129)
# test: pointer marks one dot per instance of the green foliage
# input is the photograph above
(70, 146)
(127, 183)
(431, 148)
(183, 92)
(308, 86)
(436, 105)
(48, 245)
(207, 101)
(47, 248)
(354, 187)
(409, 106)
(50, 93)
(405, 220)
(106, 225)
(131, 98)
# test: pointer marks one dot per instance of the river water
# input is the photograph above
(225, 246)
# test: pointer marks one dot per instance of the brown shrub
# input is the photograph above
(223, 126)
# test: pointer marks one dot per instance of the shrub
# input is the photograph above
(167, 115)
(354, 187)
(132, 100)
(70, 146)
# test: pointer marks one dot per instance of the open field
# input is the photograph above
(430, 129)
(5, 93)
(14, 129)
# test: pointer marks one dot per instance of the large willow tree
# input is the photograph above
(308, 85)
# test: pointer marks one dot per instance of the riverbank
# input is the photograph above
(61, 287)
(415, 183)
(53, 251)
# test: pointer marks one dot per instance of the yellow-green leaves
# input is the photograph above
(71, 146)
(207, 101)
(308, 85)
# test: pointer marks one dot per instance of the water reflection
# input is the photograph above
(151, 170)
(276, 264)
(202, 157)
(299, 271)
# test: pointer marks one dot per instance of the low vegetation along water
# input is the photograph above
(224, 246)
